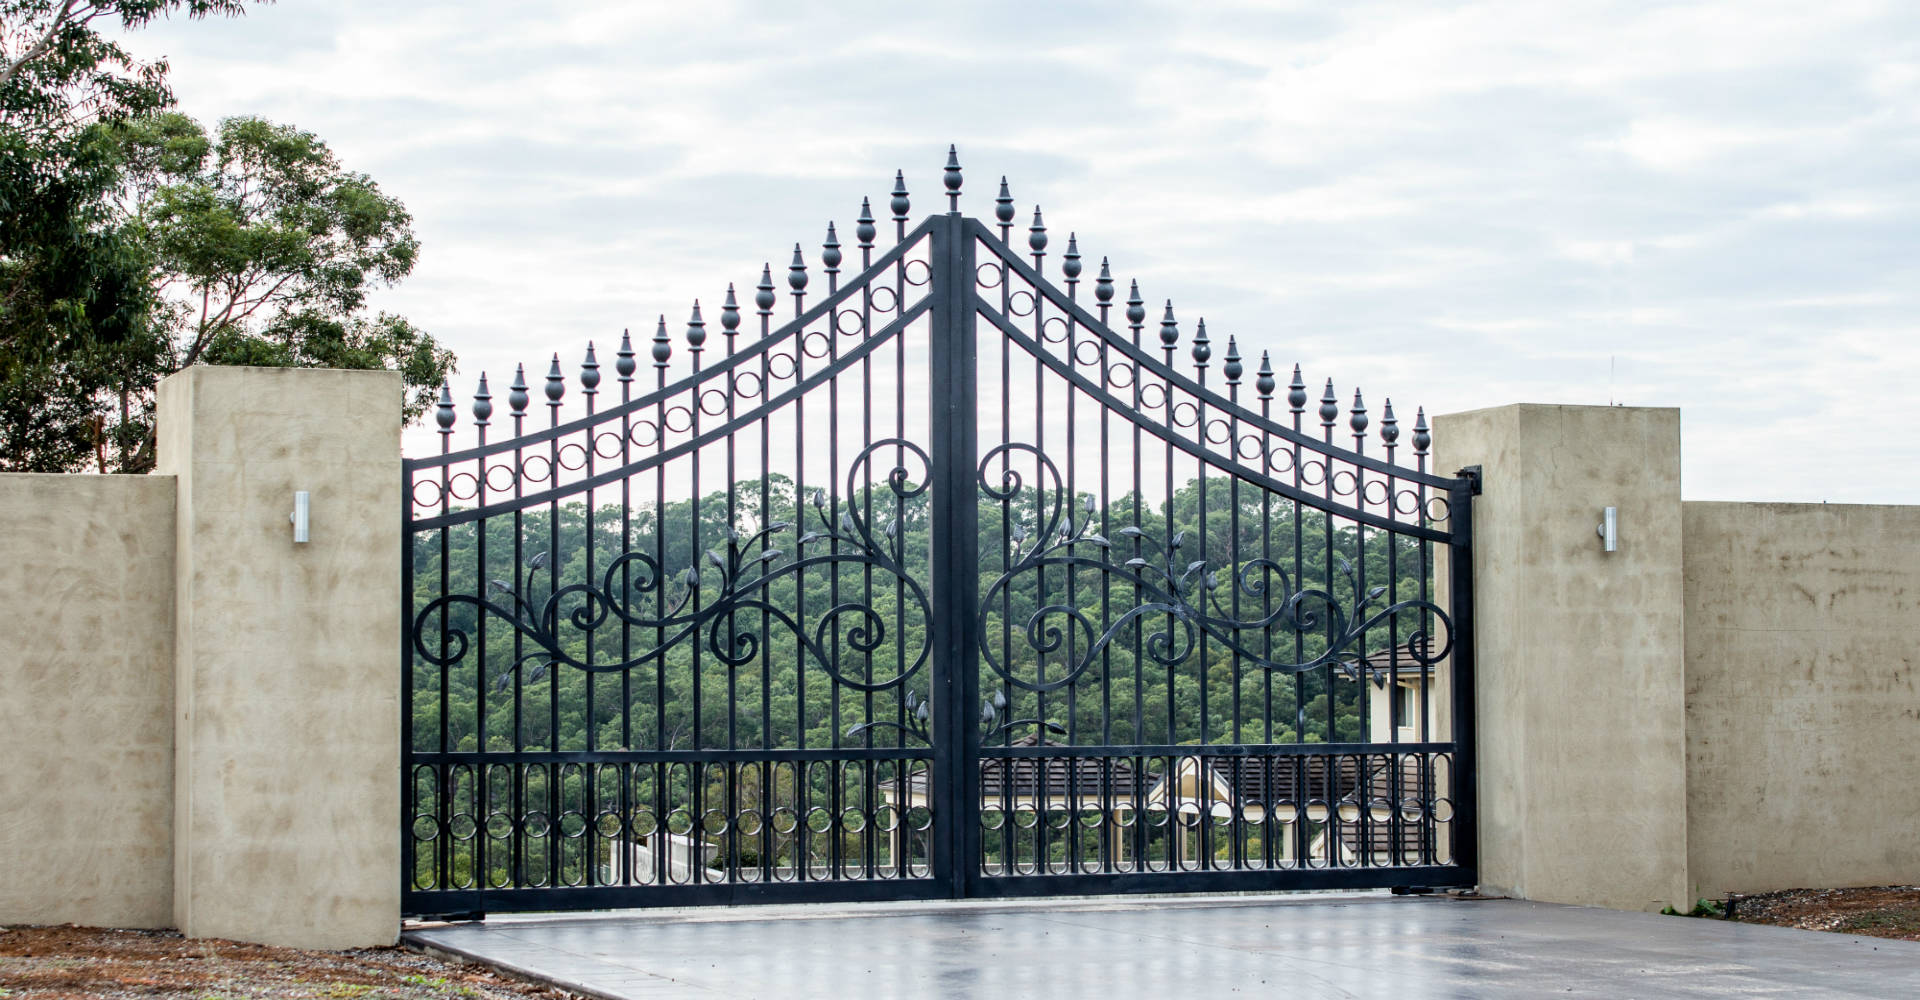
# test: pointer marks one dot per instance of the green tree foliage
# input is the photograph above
(133, 243)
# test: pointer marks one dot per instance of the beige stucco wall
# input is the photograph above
(1579, 672)
(1803, 715)
(86, 567)
(287, 674)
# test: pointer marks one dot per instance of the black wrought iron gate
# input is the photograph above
(955, 583)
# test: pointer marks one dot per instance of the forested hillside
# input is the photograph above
(744, 680)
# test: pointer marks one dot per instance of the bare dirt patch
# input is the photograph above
(1887, 911)
(68, 961)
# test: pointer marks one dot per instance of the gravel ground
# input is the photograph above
(1888, 911)
(69, 961)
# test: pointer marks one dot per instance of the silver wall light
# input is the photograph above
(301, 504)
(1609, 529)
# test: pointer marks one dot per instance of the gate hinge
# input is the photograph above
(1472, 475)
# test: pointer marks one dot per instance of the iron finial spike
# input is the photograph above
(482, 402)
(1202, 347)
(953, 178)
(1103, 285)
(1003, 205)
(1263, 382)
(900, 203)
(1169, 328)
(517, 392)
(1358, 418)
(1232, 369)
(623, 361)
(1421, 438)
(590, 371)
(1136, 307)
(1070, 261)
(830, 251)
(763, 297)
(696, 328)
(1297, 392)
(863, 229)
(662, 345)
(443, 414)
(797, 271)
(1329, 406)
(730, 313)
(556, 382)
(1037, 234)
(1389, 427)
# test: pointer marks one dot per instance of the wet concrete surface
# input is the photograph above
(1317, 946)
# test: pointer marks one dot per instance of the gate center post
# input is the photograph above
(953, 408)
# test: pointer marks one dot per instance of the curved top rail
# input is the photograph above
(793, 327)
(1257, 421)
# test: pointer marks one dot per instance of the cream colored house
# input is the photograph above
(1345, 803)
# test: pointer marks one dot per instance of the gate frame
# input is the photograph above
(956, 841)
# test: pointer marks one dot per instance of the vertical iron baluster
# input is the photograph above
(517, 399)
(696, 343)
(730, 328)
(1329, 412)
(1136, 319)
(443, 794)
(624, 366)
(835, 848)
(763, 302)
(1422, 440)
(1109, 833)
(556, 387)
(1263, 385)
(1169, 341)
(802, 831)
(1202, 351)
(1357, 420)
(1297, 406)
(482, 413)
(590, 387)
(1070, 270)
(662, 350)
(1389, 437)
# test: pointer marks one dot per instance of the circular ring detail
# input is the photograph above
(652, 432)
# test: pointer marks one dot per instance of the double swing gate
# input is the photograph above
(946, 579)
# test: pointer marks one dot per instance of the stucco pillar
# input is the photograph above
(1580, 656)
(286, 662)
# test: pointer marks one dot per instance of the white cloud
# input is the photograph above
(1709, 205)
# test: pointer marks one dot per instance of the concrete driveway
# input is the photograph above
(1180, 947)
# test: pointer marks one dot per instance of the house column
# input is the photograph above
(1580, 655)
(286, 654)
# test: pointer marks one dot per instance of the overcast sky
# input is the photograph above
(1705, 205)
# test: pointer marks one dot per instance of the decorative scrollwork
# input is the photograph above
(1185, 592)
(728, 581)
